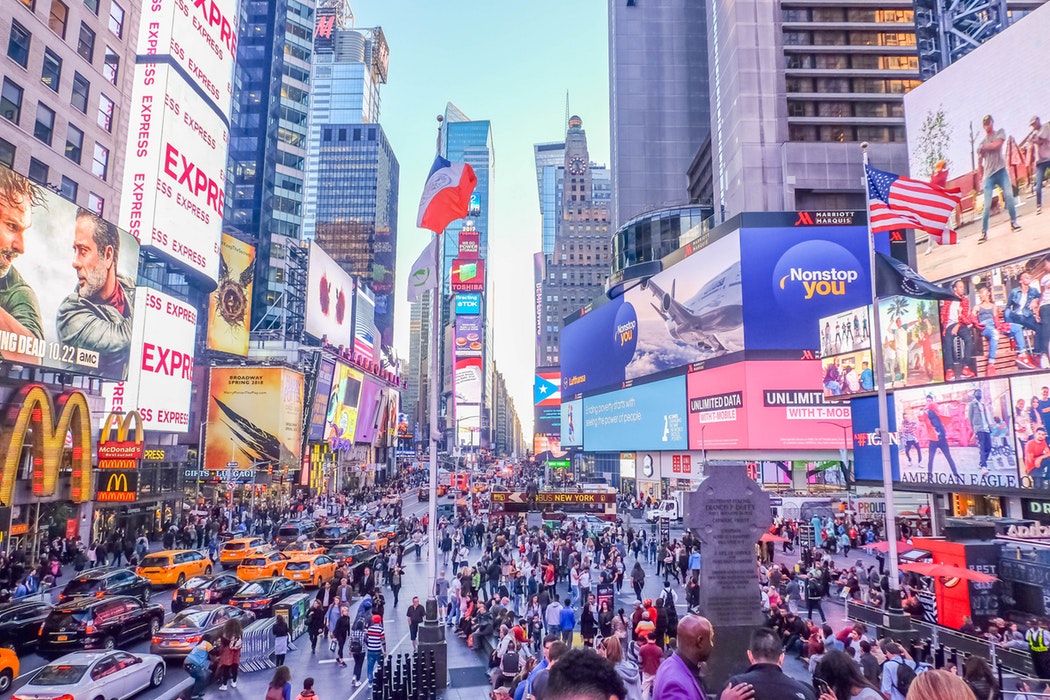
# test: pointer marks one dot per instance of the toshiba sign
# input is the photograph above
(175, 172)
(160, 378)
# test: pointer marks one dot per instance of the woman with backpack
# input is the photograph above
(280, 687)
(357, 649)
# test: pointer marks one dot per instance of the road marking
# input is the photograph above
(326, 661)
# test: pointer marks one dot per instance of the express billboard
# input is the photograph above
(175, 170)
(642, 417)
(343, 401)
(329, 298)
(468, 336)
(468, 276)
(160, 381)
(572, 423)
(944, 121)
(230, 305)
(67, 284)
(468, 304)
(254, 417)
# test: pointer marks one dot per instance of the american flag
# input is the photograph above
(896, 202)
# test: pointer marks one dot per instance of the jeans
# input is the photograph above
(940, 444)
(1002, 179)
(1041, 169)
(984, 442)
(359, 663)
(566, 636)
(374, 657)
(908, 447)
(957, 358)
(992, 336)
(199, 674)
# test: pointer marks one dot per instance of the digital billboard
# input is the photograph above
(643, 417)
(371, 402)
(547, 401)
(329, 297)
(468, 380)
(468, 304)
(867, 450)
(961, 433)
(468, 276)
(382, 282)
(547, 443)
(845, 331)
(322, 393)
(592, 356)
(175, 169)
(572, 423)
(468, 336)
(469, 245)
(795, 276)
(850, 373)
(254, 417)
(230, 305)
(911, 341)
(341, 419)
(944, 118)
(366, 335)
(1031, 412)
(160, 380)
(67, 284)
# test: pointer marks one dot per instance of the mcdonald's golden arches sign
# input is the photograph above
(122, 453)
(117, 486)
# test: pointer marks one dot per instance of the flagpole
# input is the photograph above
(435, 369)
(893, 600)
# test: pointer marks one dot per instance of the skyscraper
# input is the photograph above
(267, 161)
(658, 101)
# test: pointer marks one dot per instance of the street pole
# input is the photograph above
(435, 370)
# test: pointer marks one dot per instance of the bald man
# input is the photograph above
(679, 677)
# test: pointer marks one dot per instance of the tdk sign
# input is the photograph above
(468, 304)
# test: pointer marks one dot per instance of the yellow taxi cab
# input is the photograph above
(301, 548)
(372, 540)
(262, 564)
(173, 567)
(310, 569)
(8, 668)
(234, 551)
(442, 489)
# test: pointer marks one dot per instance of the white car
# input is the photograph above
(91, 675)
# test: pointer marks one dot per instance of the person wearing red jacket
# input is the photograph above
(958, 324)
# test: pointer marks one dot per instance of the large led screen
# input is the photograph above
(373, 399)
(469, 336)
(547, 401)
(845, 332)
(254, 418)
(230, 305)
(644, 417)
(329, 298)
(572, 423)
(1031, 413)
(468, 380)
(867, 450)
(911, 342)
(341, 420)
(366, 334)
(322, 393)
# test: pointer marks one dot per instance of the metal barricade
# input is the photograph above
(406, 677)
(257, 646)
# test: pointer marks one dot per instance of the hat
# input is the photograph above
(377, 618)
(939, 165)
(987, 118)
(637, 603)
(647, 602)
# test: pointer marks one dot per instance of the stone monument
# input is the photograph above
(728, 512)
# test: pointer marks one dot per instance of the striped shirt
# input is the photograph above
(375, 637)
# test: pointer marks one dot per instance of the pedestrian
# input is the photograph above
(765, 678)
(567, 622)
(395, 581)
(307, 693)
(280, 641)
(196, 664)
(611, 649)
(415, 618)
(230, 653)
(637, 579)
(814, 597)
(680, 676)
(357, 649)
(937, 685)
(838, 673)
(341, 632)
(375, 643)
(280, 687)
(315, 623)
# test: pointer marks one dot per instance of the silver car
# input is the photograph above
(89, 675)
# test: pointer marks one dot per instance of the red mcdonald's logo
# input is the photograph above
(120, 453)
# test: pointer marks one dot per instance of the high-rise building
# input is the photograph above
(658, 101)
(266, 170)
(414, 398)
(65, 96)
(550, 159)
(795, 87)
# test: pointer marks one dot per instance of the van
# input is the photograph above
(290, 532)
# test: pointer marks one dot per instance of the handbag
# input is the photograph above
(332, 646)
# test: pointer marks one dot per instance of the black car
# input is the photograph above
(353, 557)
(331, 535)
(216, 588)
(292, 530)
(108, 581)
(97, 623)
(178, 637)
(20, 622)
(423, 495)
(260, 595)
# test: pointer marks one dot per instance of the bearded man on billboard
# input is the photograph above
(19, 307)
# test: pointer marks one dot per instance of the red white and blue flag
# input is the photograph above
(896, 202)
(446, 196)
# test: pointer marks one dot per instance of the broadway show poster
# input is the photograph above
(67, 283)
(230, 305)
(957, 434)
(254, 417)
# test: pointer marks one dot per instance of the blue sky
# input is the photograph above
(511, 63)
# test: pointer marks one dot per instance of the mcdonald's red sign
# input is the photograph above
(121, 453)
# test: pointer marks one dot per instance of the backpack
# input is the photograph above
(905, 675)
(510, 664)
(355, 646)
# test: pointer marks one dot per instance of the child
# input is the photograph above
(307, 693)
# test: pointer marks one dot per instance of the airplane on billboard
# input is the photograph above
(716, 308)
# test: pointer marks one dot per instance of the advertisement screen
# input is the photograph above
(957, 434)
(468, 380)
(329, 296)
(846, 331)
(254, 417)
(160, 381)
(67, 298)
(200, 36)
(592, 357)
(848, 374)
(547, 400)
(645, 417)
(469, 245)
(1031, 414)
(468, 304)
(944, 119)
(230, 305)
(867, 450)
(368, 411)
(469, 336)
(341, 420)
(547, 443)
(175, 170)
(796, 276)
(468, 275)
(323, 391)
(717, 408)
(366, 335)
(911, 341)
(572, 423)
(382, 282)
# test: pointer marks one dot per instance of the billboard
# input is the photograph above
(468, 304)
(850, 373)
(322, 392)
(572, 423)
(468, 380)
(845, 331)
(547, 401)
(200, 37)
(911, 341)
(370, 407)
(329, 296)
(175, 169)
(67, 284)
(469, 336)
(468, 276)
(254, 417)
(366, 335)
(160, 381)
(643, 417)
(1031, 411)
(944, 118)
(343, 400)
(867, 450)
(230, 305)
(961, 432)
(469, 245)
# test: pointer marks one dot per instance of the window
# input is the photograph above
(69, 189)
(44, 128)
(31, 4)
(100, 163)
(81, 88)
(11, 102)
(7, 153)
(105, 113)
(74, 143)
(37, 171)
(116, 19)
(18, 44)
(51, 73)
(111, 66)
(58, 18)
(92, 5)
(86, 43)
(96, 204)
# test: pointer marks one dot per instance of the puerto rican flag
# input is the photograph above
(446, 196)
(896, 202)
(547, 390)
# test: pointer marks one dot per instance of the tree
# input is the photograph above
(933, 142)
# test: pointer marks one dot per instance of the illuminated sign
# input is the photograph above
(34, 410)
(557, 497)
(468, 304)
(19, 529)
(558, 463)
(469, 245)
(1036, 531)
(153, 455)
(121, 453)
(468, 276)
(120, 486)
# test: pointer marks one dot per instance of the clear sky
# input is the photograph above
(510, 62)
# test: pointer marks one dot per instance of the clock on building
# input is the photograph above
(577, 165)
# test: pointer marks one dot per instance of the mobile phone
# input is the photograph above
(822, 686)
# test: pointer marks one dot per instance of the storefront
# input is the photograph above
(971, 504)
